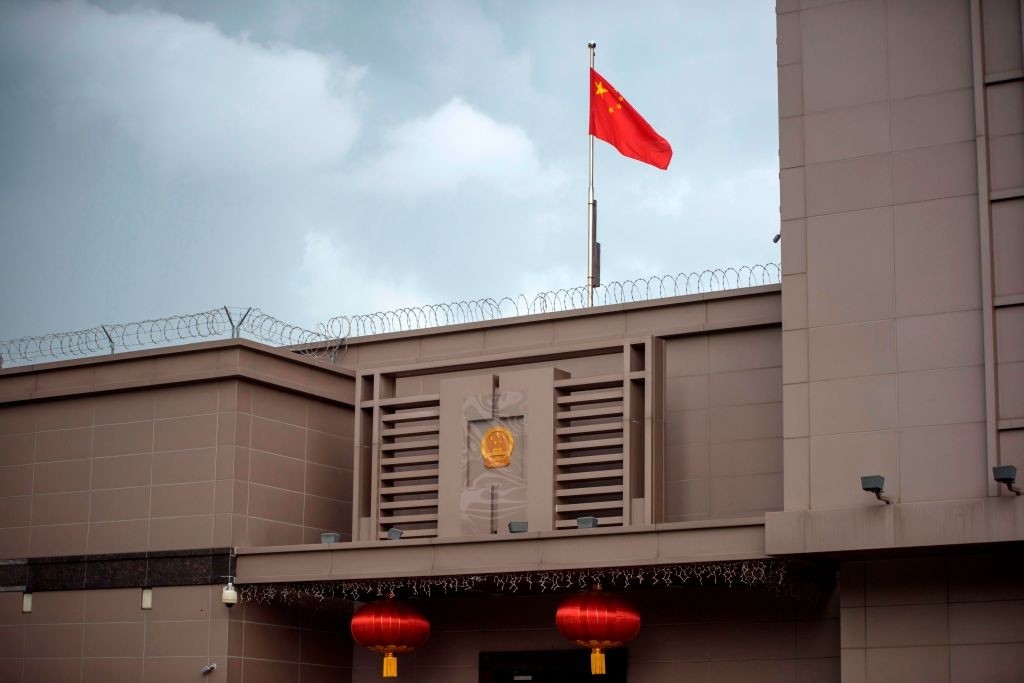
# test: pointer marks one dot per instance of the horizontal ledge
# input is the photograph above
(587, 507)
(409, 401)
(1004, 76)
(590, 443)
(660, 528)
(428, 414)
(601, 521)
(582, 383)
(590, 491)
(1010, 193)
(409, 504)
(590, 475)
(400, 519)
(588, 413)
(415, 430)
(578, 460)
(594, 397)
(409, 533)
(1008, 300)
(410, 445)
(411, 474)
(409, 460)
(600, 428)
(405, 490)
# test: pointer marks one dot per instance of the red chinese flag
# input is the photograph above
(614, 120)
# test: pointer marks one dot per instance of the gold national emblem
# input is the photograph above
(496, 447)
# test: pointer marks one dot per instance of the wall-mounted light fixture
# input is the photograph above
(518, 527)
(875, 483)
(147, 598)
(586, 522)
(26, 603)
(394, 534)
(1006, 474)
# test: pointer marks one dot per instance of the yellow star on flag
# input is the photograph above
(600, 88)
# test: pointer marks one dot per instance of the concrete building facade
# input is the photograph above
(718, 440)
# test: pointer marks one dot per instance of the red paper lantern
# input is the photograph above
(389, 627)
(598, 621)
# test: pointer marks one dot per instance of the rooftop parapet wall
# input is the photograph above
(211, 445)
(206, 361)
(325, 339)
(680, 315)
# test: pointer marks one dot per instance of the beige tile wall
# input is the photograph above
(207, 464)
(932, 619)
(723, 424)
(103, 636)
(882, 284)
(275, 644)
(293, 469)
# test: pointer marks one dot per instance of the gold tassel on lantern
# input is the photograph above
(390, 665)
(597, 661)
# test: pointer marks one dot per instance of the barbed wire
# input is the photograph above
(481, 310)
(329, 337)
(228, 321)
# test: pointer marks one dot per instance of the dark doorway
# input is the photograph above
(550, 666)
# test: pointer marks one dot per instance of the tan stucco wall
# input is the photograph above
(180, 449)
(900, 358)
(98, 636)
(932, 619)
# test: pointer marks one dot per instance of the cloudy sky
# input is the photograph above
(321, 157)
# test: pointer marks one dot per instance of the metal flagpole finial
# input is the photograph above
(592, 45)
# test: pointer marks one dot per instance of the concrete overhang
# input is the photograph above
(877, 527)
(648, 545)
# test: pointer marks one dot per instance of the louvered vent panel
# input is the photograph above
(589, 452)
(407, 484)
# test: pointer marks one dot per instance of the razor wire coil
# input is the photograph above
(328, 337)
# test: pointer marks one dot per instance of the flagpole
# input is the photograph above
(593, 248)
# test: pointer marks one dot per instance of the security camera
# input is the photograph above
(875, 484)
(778, 236)
(1006, 474)
(229, 596)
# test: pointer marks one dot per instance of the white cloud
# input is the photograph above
(457, 145)
(185, 93)
(333, 282)
(658, 195)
